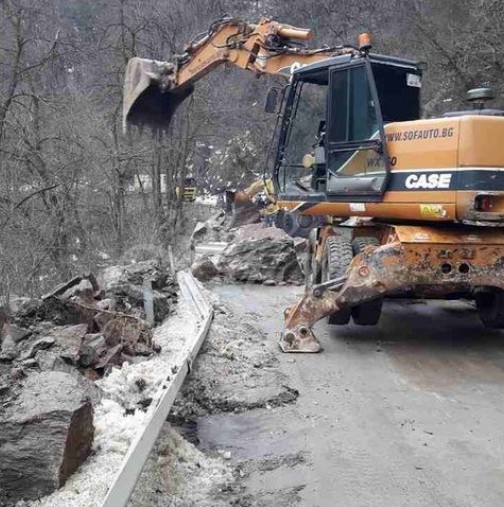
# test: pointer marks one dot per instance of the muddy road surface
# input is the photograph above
(410, 412)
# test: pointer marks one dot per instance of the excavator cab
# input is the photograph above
(332, 142)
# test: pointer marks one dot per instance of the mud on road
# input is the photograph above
(408, 413)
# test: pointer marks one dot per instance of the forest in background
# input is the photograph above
(66, 167)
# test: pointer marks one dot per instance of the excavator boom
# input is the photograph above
(153, 90)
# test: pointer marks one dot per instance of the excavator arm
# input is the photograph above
(245, 210)
(153, 90)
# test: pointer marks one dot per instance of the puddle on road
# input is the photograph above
(265, 453)
(188, 430)
(255, 434)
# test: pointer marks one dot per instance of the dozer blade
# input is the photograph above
(245, 211)
(149, 98)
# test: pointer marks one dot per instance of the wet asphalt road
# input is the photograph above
(408, 413)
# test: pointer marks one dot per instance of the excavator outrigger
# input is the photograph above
(425, 197)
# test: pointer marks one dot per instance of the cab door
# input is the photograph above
(357, 166)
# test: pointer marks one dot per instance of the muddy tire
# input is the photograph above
(338, 255)
(368, 313)
(490, 305)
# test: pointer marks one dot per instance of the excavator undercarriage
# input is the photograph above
(410, 261)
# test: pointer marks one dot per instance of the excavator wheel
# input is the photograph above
(338, 255)
(368, 313)
(490, 305)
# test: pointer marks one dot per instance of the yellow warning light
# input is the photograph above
(364, 40)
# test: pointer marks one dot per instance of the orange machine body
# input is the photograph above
(437, 169)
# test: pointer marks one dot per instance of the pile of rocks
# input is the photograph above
(88, 325)
(51, 349)
(253, 253)
(125, 285)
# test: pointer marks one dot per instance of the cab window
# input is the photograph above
(306, 130)
(353, 131)
(353, 112)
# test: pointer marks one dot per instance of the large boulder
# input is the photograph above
(257, 231)
(115, 277)
(40, 344)
(93, 348)
(8, 349)
(254, 253)
(204, 269)
(16, 333)
(69, 340)
(48, 360)
(60, 312)
(11, 336)
(119, 330)
(47, 432)
(258, 260)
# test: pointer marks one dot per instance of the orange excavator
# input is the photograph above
(414, 206)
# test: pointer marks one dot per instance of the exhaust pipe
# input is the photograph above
(149, 98)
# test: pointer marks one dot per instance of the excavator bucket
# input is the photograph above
(148, 98)
(245, 211)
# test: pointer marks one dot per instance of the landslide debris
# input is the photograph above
(51, 351)
(88, 324)
(125, 285)
(236, 370)
(251, 253)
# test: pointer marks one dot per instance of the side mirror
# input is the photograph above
(271, 101)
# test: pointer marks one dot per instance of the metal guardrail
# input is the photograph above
(134, 461)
